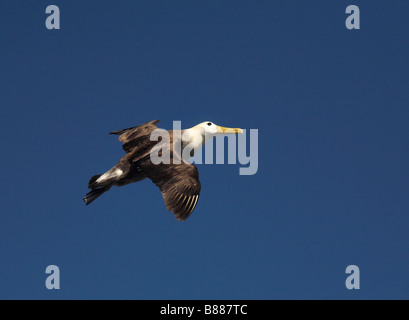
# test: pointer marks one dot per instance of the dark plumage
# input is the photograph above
(179, 183)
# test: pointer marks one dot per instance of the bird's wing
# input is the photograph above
(136, 136)
(179, 184)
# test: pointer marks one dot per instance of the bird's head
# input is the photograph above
(205, 131)
(210, 129)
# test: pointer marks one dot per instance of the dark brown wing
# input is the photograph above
(136, 136)
(179, 184)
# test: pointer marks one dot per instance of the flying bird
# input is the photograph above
(178, 179)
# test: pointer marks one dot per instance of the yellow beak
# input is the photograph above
(228, 130)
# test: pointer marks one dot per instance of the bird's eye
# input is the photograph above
(209, 124)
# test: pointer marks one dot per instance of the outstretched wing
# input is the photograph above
(179, 184)
(136, 136)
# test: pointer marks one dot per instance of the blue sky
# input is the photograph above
(331, 107)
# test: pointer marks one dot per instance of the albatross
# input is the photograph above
(177, 180)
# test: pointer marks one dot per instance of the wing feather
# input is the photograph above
(178, 183)
(137, 136)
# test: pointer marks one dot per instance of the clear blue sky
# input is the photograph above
(331, 107)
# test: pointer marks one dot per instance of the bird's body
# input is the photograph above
(177, 180)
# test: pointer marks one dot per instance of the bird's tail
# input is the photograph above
(92, 195)
(92, 184)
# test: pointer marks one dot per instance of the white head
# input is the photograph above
(208, 128)
(197, 136)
